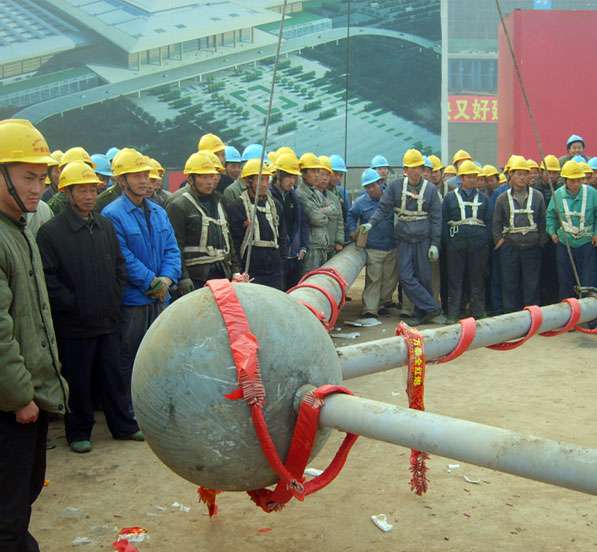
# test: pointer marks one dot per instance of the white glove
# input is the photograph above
(433, 254)
(167, 282)
(365, 227)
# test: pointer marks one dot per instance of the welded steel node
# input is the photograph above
(184, 368)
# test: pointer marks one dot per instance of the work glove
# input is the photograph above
(158, 288)
(433, 254)
(365, 227)
(301, 254)
(185, 286)
(166, 281)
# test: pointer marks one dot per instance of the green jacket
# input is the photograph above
(316, 208)
(574, 204)
(29, 365)
(107, 197)
(58, 203)
(233, 192)
(335, 219)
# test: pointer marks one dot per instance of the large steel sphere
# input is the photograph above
(184, 368)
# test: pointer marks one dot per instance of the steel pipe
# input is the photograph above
(349, 263)
(562, 464)
(385, 354)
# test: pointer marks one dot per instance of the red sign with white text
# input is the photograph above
(472, 109)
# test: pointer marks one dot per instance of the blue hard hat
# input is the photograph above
(102, 164)
(379, 161)
(252, 151)
(478, 164)
(369, 176)
(575, 138)
(579, 159)
(593, 163)
(427, 162)
(111, 153)
(232, 155)
(338, 164)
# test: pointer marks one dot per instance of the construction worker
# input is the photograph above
(103, 170)
(534, 173)
(111, 153)
(427, 168)
(587, 170)
(593, 165)
(36, 220)
(234, 190)
(53, 175)
(185, 186)
(149, 248)
(467, 225)
(30, 383)
(572, 221)
(491, 175)
(417, 230)
(232, 166)
(519, 235)
(316, 210)
(267, 239)
(58, 201)
(380, 164)
(156, 191)
(297, 230)
(381, 275)
(85, 274)
(201, 227)
(213, 144)
(575, 145)
(457, 159)
(327, 186)
(338, 176)
(436, 175)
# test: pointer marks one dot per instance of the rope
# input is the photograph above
(265, 136)
(536, 134)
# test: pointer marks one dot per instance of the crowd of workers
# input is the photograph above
(93, 249)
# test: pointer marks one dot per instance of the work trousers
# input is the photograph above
(414, 270)
(381, 277)
(521, 272)
(585, 265)
(135, 321)
(467, 265)
(80, 358)
(22, 474)
(292, 274)
(314, 258)
(550, 290)
(442, 268)
(494, 296)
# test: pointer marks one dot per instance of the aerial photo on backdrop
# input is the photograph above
(157, 74)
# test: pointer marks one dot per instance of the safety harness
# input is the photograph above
(208, 253)
(582, 230)
(405, 214)
(271, 215)
(532, 226)
(473, 220)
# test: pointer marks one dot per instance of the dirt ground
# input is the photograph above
(546, 388)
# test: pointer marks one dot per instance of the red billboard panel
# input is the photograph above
(555, 51)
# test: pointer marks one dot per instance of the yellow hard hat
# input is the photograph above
(287, 163)
(437, 162)
(461, 155)
(551, 163)
(586, 168)
(413, 158)
(271, 155)
(77, 172)
(517, 163)
(76, 154)
(490, 170)
(310, 161)
(572, 170)
(215, 160)
(450, 169)
(468, 167)
(21, 142)
(285, 149)
(502, 179)
(57, 155)
(157, 170)
(326, 162)
(532, 164)
(200, 163)
(210, 142)
(129, 160)
(251, 168)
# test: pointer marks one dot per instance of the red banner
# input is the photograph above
(472, 109)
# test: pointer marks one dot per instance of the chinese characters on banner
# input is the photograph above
(472, 109)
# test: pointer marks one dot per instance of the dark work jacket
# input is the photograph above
(467, 234)
(297, 227)
(224, 182)
(264, 260)
(85, 273)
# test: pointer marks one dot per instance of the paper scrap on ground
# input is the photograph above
(363, 322)
(79, 541)
(180, 507)
(351, 335)
(453, 466)
(381, 522)
(473, 481)
(313, 472)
